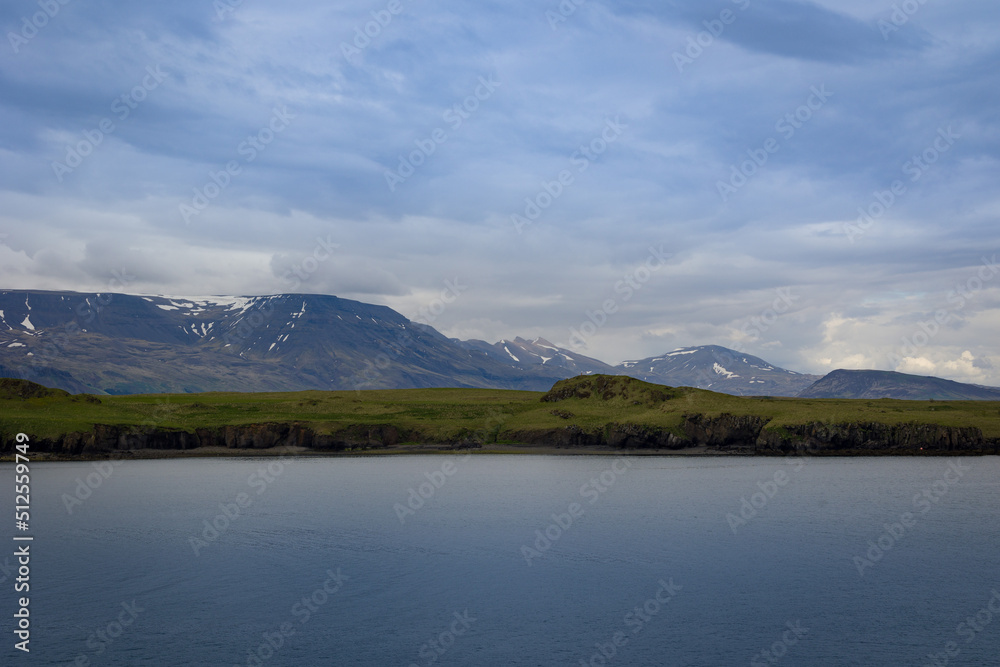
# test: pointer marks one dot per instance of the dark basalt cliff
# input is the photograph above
(587, 413)
(747, 435)
(723, 434)
(107, 439)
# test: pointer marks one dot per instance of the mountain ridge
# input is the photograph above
(719, 369)
(873, 384)
(148, 344)
(108, 343)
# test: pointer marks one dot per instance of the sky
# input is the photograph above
(814, 183)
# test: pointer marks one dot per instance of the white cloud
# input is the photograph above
(657, 184)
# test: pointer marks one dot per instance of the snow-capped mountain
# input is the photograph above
(121, 343)
(540, 356)
(719, 369)
(127, 344)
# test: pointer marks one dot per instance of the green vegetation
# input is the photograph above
(589, 403)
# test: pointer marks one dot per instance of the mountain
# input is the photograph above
(124, 344)
(539, 357)
(889, 384)
(719, 369)
(102, 343)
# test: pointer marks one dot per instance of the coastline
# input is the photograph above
(587, 415)
(700, 451)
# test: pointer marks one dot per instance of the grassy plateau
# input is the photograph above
(495, 417)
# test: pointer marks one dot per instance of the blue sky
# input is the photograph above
(532, 153)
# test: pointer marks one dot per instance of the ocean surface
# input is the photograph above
(510, 560)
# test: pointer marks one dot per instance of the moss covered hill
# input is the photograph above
(14, 389)
(589, 413)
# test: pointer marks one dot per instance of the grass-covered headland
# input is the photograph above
(582, 414)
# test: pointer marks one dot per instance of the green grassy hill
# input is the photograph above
(587, 410)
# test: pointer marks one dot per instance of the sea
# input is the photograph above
(491, 560)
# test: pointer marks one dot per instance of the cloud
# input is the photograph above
(965, 368)
(797, 30)
(557, 88)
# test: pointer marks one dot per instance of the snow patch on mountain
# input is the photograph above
(722, 371)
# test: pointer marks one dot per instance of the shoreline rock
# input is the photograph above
(724, 434)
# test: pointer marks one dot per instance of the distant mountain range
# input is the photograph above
(539, 356)
(719, 369)
(124, 344)
(888, 384)
(103, 343)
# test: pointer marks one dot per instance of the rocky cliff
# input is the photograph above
(723, 434)
(107, 439)
(748, 435)
(593, 412)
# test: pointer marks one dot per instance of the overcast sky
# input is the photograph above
(234, 147)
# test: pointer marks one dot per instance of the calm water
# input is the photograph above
(319, 561)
